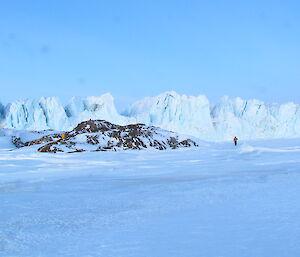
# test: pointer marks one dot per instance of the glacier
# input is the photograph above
(2, 112)
(183, 114)
(253, 119)
(36, 114)
(94, 107)
(190, 115)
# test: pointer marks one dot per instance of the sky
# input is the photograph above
(134, 49)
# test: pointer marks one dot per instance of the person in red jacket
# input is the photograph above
(235, 139)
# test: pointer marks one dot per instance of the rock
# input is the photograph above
(100, 135)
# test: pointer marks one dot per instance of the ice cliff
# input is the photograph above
(191, 115)
(33, 114)
(94, 107)
(183, 114)
(2, 112)
(253, 119)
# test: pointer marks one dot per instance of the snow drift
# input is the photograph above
(191, 115)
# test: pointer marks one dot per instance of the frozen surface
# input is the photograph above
(191, 115)
(217, 200)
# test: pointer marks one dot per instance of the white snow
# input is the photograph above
(216, 200)
(191, 115)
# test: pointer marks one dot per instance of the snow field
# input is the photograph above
(217, 200)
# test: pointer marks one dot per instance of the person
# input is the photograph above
(235, 139)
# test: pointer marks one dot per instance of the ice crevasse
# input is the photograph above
(190, 115)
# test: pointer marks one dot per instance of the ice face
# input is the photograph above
(180, 113)
(247, 119)
(2, 115)
(254, 119)
(32, 114)
(25, 114)
(95, 108)
(190, 115)
(238, 117)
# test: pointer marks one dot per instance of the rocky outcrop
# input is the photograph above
(100, 135)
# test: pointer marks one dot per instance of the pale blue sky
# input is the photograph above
(139, 48)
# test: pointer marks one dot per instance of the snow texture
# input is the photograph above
(215, 200)
(191, 115)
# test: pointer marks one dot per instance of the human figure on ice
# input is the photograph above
(235, 139)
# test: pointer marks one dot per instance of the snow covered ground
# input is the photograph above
(216, 200)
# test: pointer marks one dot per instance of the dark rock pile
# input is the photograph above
(100, 135)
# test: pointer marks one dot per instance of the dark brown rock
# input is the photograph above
(106, 136)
